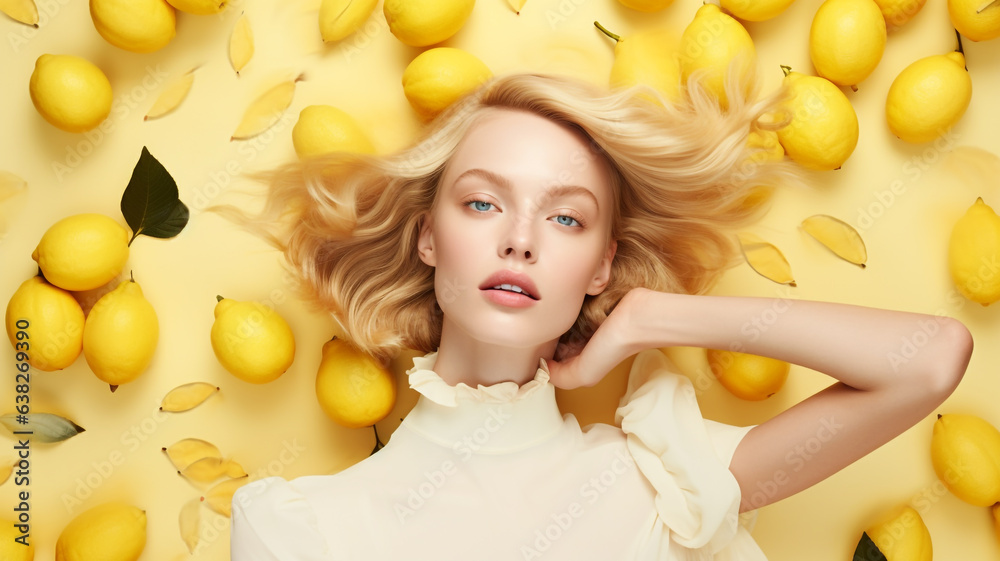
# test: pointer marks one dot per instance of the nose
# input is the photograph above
(519, 241)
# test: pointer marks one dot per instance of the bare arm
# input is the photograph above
(893, 369)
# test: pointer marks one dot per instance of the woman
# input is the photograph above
(541, 232)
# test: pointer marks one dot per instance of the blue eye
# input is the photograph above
(479, 202)
(570, 217)
(476, 202)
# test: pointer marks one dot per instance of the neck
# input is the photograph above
(461, 359)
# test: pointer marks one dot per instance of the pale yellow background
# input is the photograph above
(279, 429)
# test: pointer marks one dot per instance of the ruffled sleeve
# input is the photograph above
(272, 521)
(686, 458)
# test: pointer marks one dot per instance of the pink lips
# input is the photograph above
(511, 298)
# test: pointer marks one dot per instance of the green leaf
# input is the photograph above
(172, 225)
(45, 427)
(867, 550)
(150, 203)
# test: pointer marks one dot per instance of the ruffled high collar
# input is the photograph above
(499, 418)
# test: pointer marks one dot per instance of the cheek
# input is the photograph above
(456, 250)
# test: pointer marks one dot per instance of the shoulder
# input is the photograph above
(272, 519)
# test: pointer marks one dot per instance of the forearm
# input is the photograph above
(866, 348)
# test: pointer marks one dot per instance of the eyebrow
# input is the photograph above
(551, 192)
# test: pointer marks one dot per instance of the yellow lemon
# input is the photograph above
(353, 389)
(767, 148)
(823, 131)
(978, 20)
(898, 12)
(846, 40)
(11, 550)
(120, 335)
(110, 532)
(755, 10)
(251, 340)
(419, 23)
(901, 535)
(965, 451)
(322, 129)
(82, 252)
(928, 97)
(340, 18)
(140, 26)
(647, 57)
(70, 92)
(748, 376)
(52, 321)
(438, 77)
(974, 243)
(199, 7)
(646, 5)
(711, 42)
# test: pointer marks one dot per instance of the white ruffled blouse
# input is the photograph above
(498, 473)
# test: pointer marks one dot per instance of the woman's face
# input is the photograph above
(526, 196)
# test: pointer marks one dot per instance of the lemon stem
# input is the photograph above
(130, 277)
(218, 298)
(939, 415)
(606, 32)
(786, 69)
(960, 49)
(378, 443)
(990, 5)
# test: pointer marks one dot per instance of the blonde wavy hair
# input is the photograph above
(684, 173)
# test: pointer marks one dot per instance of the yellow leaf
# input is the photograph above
(517, 5)
(171, 96)
(220, 497)
(190, 521)
(189, 450)
(187, 396)
(766, 259)
(234, 469)
(205, 470)
(839, 236)
(23, 11)
(241, 44)
(210, 468)
(265, 110)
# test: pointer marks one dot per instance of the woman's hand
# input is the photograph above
(585, 362)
